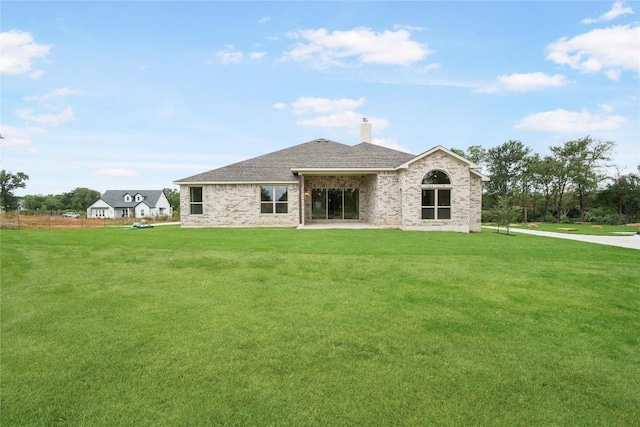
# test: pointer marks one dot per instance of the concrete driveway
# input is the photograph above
(623, 241)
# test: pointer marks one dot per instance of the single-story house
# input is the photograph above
(323, 181)
(131, 204)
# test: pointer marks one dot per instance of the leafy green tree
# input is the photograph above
(578, 163)
(506, 165)
(622, 195)
(173, 196)
(505, 211)
(543, 174)
(477, 154)
(8, 183)
(79, 199)
(51, 203)
(458, 151)
(34, 202)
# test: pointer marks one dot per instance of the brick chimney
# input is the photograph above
(365, 131)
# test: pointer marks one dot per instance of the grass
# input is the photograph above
(102, 327)
(606, 230)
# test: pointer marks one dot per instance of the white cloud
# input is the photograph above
(390, 143)
(407, 27)
(18, 50)
(331, 113)
(15, 136)
(257, 55)
(54, 94)
(230, 56)
(616, 10)
(607, 50)
(564, 121)
(46, 119)
(528, 82)
(343, 119)
(325, 105)
(264, 20)
(116, 173)
(363, 44)
(279, 105)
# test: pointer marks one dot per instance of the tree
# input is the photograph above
(623, 196)
(504, 212)
(505, 164)
(173, 196)
(79, 199)
(543, 174)
(590, 155)
(578, 163)
(477, 154)
(8, 183)
(458, 151)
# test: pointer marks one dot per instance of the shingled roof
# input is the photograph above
(316, 154)
(115, 198)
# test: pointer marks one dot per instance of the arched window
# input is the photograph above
(436, 195)
(436, 177)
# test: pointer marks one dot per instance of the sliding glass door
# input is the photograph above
(335, 203)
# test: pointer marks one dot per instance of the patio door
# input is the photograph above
(335, 203)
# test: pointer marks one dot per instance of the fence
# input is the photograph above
(9, 221)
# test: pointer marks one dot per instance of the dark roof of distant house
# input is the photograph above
(316, 154)
(115, 198)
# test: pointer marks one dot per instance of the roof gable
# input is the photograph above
(435, 150)
(115, 198)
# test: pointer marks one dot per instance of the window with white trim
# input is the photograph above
(436, 195)
(195, 200)
(274, 199)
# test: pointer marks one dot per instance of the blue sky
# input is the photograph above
(113, 95)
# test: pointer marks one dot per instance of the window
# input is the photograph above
(273, 199)
(138, 198)
(436, 195)
(436, 204)
(127, 197)
(436, 177)
(195, 200)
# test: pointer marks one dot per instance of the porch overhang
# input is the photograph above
(339, 171)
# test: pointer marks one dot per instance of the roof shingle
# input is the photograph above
(319, 153)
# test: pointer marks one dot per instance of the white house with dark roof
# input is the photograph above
(327, 182)
(130, 204)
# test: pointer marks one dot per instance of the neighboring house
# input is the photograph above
(324, 181)
(130, 204)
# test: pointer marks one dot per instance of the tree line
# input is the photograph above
(78, 199)
(573, 183)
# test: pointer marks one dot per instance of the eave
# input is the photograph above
(340, 171)
(232, 182)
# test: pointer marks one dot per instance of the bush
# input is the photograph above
(488, 216)
(564, 219)
(604, 215)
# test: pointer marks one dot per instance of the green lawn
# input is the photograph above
(593, 229)
(285, 327)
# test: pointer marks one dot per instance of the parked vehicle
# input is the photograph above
(70, 215)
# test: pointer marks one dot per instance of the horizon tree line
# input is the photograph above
(572, 183)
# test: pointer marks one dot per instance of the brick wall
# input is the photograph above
(411, 181)
(236, 205)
